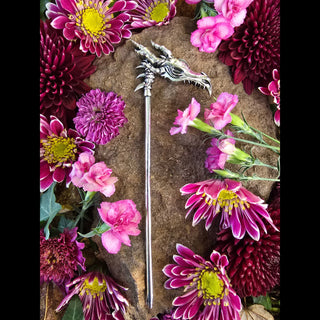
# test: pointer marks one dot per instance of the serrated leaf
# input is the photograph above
(74, 310)
(48, 204)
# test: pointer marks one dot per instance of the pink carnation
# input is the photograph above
(186, 117)
(234, 10)
(92, 176)
(123, 218)
(219, 113)
(210, 32)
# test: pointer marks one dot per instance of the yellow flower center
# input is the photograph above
(227, 200)
(59, 149)
(157, 11)
(211, 286)
(92, 21)
(94, 288)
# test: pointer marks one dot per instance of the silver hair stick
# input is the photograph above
(172, 69)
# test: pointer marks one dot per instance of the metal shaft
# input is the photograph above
(148, 202)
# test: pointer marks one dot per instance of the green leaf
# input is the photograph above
(65, 223)
(74, 310)
(48, 208)
(264, 300)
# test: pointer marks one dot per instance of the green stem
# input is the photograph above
(257, 162)
(273, 139)
(273, 148)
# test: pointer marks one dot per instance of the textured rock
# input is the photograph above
(175, 160)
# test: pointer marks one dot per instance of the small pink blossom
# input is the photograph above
(186, 117)
(92, 176)
(219, 152)
(234, 10)
(123, 218)
(219, 112)
(210, 32)
(273, 90)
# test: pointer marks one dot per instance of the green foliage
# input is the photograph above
(264, 300)
(74, 310)
(48, 208)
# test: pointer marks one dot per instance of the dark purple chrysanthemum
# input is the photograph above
(100, 296)
(63, 67)
(253, 51)
(254, 266)
(100, 115)
(60, 257)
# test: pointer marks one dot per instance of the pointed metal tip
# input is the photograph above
(139, 86)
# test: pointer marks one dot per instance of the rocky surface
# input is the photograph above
(175, 160)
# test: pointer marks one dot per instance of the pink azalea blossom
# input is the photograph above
(92, 176)
(234, 10)
(219, 113)
(273, 90)
(123, 218)
(186, 117)
(210, 32)
(219, 152)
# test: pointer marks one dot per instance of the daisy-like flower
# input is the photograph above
(59, 148)
(100, 116)
(152, 13)
(240, 209)
(100, 296)
(97, 25)
(63, 67)
(254, 266)
(60, 257)
(209, 294)
(253, 51)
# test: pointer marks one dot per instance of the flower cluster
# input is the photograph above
(219, 24)
(248, 228)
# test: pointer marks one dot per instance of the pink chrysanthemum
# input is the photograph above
(59, 148)
(100, 296)
(60, 257)
(152, 13)
(209, 294)
(100, 116)
(254, 267)
(253, 51)
(63, 67)
(97, 25)
(240, 209)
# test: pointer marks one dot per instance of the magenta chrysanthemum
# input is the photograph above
(209, 295)
(59, 148)
(63, 67)
(254, 266)
(60, 257)
(100, 296)
(100, 116)
(253, 51)
(240, 209)
(152, 13)
(97, 25)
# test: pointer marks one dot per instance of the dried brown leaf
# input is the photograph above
(255, 312)
(50, 298)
